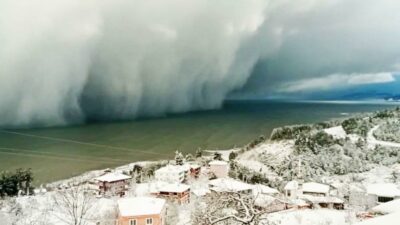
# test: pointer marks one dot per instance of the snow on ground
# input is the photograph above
(377, 175)
(255, 166)
(337, 132)
(42, 209)
(311, 217)
(280, 150)
(224, 153)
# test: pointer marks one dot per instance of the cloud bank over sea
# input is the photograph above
(68, 61)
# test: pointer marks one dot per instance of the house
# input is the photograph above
(195, 170)
(323, 201)
(219, 168)
(291, 189)
(172, 173)
(113, 184)
(384, 192)
(230, 185)
(269, 204)
(141, 211)
(298, 204)
(177, 193)
(315, 189)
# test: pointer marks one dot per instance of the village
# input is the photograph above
(218, 187)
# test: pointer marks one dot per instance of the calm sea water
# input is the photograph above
(56, 153)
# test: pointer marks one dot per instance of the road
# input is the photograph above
(372, 140)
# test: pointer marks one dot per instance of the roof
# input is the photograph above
(172, 169)
(315, 187)
(391, 219)
(229, 185)
(292, 185)
(194, 166)
(140, 206)
(176, 188)
(384, 190)
(388, 207)
(218, 163)
(262, 189)
(112, 177)
(201, 192)
(322, 199)
(265, 201)
(299, 202)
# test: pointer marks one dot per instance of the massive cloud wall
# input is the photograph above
(67, 61)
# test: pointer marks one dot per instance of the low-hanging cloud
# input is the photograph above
(66, 61)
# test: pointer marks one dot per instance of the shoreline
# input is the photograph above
(91, 174)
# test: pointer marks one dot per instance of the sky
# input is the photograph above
(68, 61)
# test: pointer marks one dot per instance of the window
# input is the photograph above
(132, 222)
(149, 221)
(384, 199)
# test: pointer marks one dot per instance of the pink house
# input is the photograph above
(141, 211)
(219, 168)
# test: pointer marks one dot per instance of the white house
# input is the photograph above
(172, 173)
(315, 189)
(230, 185)
(384, 192)
(292, 189)
(219, 168)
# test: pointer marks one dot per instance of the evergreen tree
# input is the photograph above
(179, 158)
(232, 156)
(217, 156)
(189, 157)
(199, 153)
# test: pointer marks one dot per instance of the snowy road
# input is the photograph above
(372, 140)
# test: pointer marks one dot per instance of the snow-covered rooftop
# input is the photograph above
(175, 188)
(173, 169)
(264, 200)
(201, 192)
(322, 199)
(313, 187)
(390, 219)
(217, 163)
(140, 206)
(384, 190)
(112, 177)
(194, 166)
(263, 189)
(388, 207)
(292, 185)
(229, 185)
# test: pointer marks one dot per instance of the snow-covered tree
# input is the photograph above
(228, 208)
(72, 205)
(179, 159)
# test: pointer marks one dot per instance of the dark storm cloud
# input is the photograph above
(66, 61)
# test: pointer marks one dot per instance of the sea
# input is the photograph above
(62, 152)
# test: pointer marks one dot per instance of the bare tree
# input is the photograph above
(72, 205)
(228, 208)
